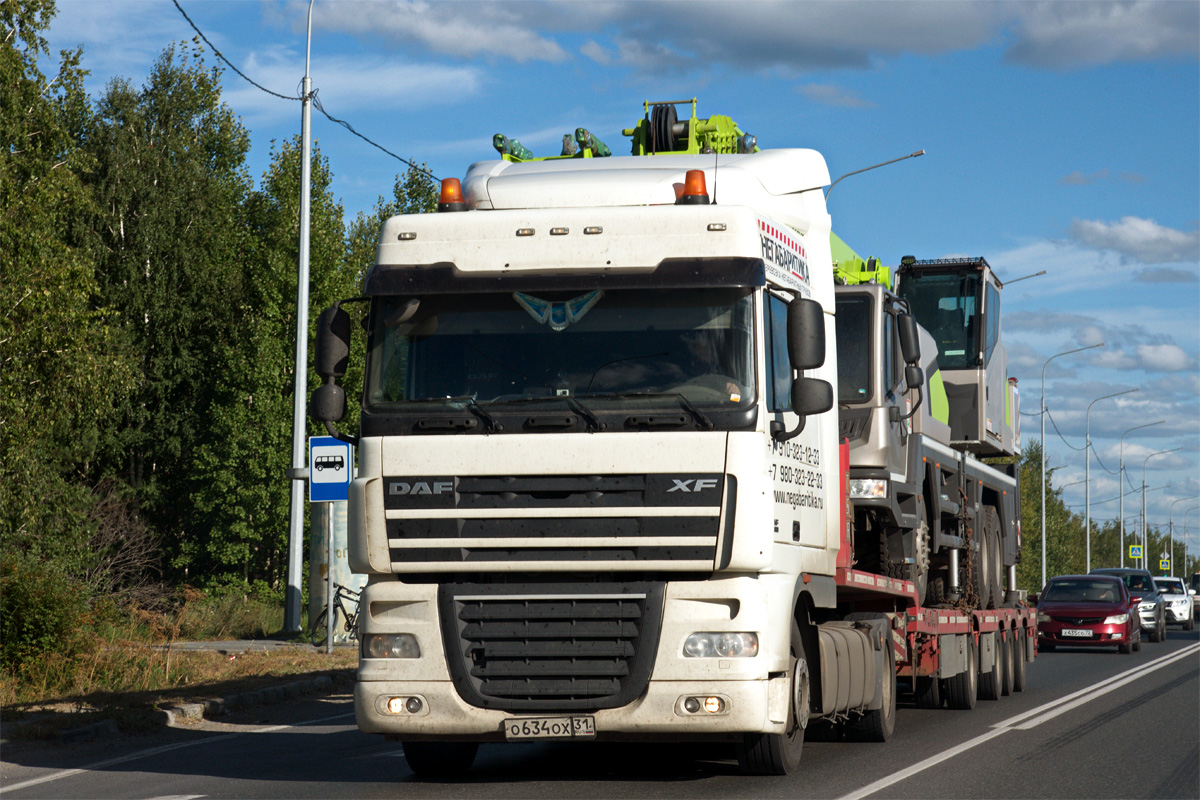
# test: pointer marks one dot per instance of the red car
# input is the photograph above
(1089, 610)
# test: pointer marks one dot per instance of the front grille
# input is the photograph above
(1079, 620)
(564, 647)
(580, 523)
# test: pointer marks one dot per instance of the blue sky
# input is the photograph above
(1059, 136)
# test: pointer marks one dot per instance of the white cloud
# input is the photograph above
(1168, 275)
(1163, 357)
(1078, 178)
(1063, 35)
(830, 95)
(465, 30)
(596, 53)
(1143, 240)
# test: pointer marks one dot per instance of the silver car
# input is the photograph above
(1178, 600)
(1152, 612)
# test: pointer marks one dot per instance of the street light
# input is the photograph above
(1087, 472)
(295, 564)
(1048, 360)
(1171, 529)
(1145, 561)
(1121, 481)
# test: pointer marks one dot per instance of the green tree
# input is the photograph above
(61, 367)
(171, 185)
(243, 490)
(1065, 546)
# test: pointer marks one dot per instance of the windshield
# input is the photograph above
(511, 347)
(1138, 583)
(853, 325)
(947, 306)
(1082, 591)
(1170, 587)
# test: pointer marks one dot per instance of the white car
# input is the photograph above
(1178, 601)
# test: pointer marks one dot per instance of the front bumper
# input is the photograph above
(1179, 614)
(1148, 618)
(657, 713)
(1099, 634)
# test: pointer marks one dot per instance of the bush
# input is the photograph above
(42, 611)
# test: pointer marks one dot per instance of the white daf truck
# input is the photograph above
(600, 490)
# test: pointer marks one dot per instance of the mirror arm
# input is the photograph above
(335, 433)
(916, 405)
(780, 435)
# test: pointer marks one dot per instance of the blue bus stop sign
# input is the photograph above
(330, 468)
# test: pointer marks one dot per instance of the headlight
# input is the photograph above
(1043, 617)
(721, 645)
(1145, 606)
(1179, 603)
(1116, 619)
(871, 487)
(390, 645)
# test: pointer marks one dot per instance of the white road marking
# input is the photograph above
(1028, 719)
(154, 751)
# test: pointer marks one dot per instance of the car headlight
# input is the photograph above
(1179, 603)
(1043, 617)
(869, 487)
(1145, 606)
(1116, 619)
(721, 645)
(390, 645)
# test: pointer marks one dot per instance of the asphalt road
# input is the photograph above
(1090, 724)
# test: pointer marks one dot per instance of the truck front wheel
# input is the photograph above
(779, 753)
(440, 759)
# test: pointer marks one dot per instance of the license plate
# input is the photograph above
(550, 728)
(1081, 633)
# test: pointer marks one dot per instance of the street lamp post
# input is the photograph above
(1121, 481)
(1087, 473)
(1048, 360)
(1145, 560)
(295, 562)
(1171, 529)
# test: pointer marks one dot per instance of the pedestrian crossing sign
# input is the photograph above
(1164, 564)
(1135, 551)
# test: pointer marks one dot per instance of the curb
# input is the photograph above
(189, 713)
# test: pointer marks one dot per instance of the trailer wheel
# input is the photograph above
(962, 689)
(928, 691)
(995, 570)
(919, 571)
(991, 683)
(1019, 660)
(440, 759)
(877, 725)
(779, 753)
(1008, 651)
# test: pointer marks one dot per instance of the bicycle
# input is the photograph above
(342, 596)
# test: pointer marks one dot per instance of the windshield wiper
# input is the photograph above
(467, 401)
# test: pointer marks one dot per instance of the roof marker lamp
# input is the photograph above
(695, 190)
(451, 197)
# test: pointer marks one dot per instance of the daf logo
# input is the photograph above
(692, 484)
(420, 487)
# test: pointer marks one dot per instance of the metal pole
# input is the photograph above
(1171, 529)
(329, 591)
(1121, 480)
(295, 569)
(1043, 520)
(1145, 555)
(1087, 473)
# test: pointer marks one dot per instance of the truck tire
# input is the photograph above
(994, 569)
(962, 690)
(919, 571)
(1018, 647)
(1008, 654)
(991, 684)
(927, 689)
(979, 556)
(440, 759)
(779, 753)
(877, 725)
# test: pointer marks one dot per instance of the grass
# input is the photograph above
(128, 661)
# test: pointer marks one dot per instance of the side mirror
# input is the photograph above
(328, 403)
(333, 342)
(1033, 598)
(1192, 592)
(805, 334)
(811, 396)
(910, 340)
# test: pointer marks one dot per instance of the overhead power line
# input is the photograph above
(1056, 430)
(316, 102)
